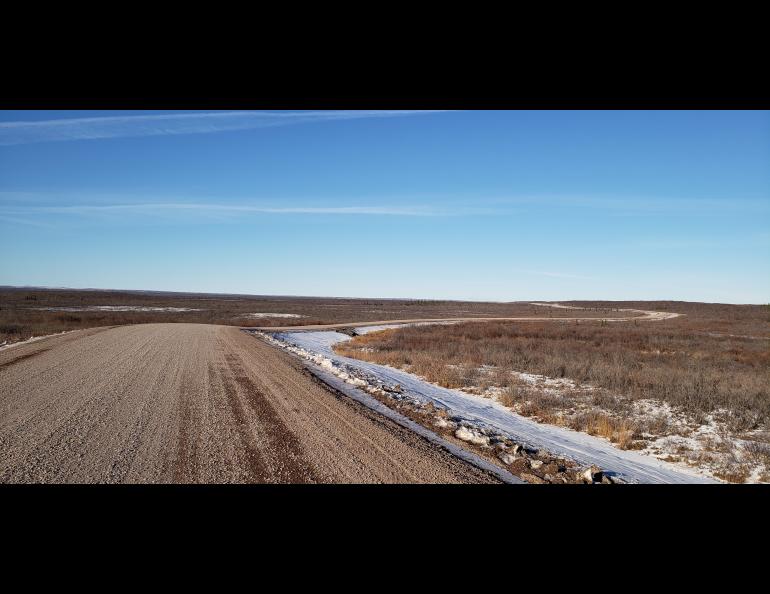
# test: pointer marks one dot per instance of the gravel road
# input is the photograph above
(193, 403)
(640, 315)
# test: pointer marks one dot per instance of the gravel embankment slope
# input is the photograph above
(166, 403)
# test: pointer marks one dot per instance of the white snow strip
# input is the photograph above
(629, 466)
(5, 345)
(746, 336)
(369, 329)
(377, 406)
(272, 315)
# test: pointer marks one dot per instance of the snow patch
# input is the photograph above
(272, 315)
(6, 345)
(481, 414)
(378, 328)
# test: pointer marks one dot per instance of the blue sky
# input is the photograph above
(481, 205)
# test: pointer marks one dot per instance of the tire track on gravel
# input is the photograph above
(193, 403)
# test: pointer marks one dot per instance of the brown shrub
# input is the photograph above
(733, 474)
(758, 453)
(678, 361)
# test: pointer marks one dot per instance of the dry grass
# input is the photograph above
(619, 431)
(758, 453)
(737, 473)
(715, 358)
(512, 396)
(710, 366)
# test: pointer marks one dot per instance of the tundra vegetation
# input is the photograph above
(693, 389)
(36, 312)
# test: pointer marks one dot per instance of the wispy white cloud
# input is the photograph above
(13, 133)
(105, 206)
(217, 210)
(33, 204)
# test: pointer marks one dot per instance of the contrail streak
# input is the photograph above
(92, 128)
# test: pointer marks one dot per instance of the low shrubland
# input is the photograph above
(684, 362)
(694, 389)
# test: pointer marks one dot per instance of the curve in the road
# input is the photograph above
(640, 315)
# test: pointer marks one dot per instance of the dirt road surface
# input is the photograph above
(189, 403)
(641, 315)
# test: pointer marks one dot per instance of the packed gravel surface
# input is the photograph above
(193, 403)
(633, 314)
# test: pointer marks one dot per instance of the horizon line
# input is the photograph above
(295, 296)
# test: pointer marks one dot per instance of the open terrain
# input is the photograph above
(692, 389)
(193, 403)
(164, 387)
(535, 452)
(28, 312)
